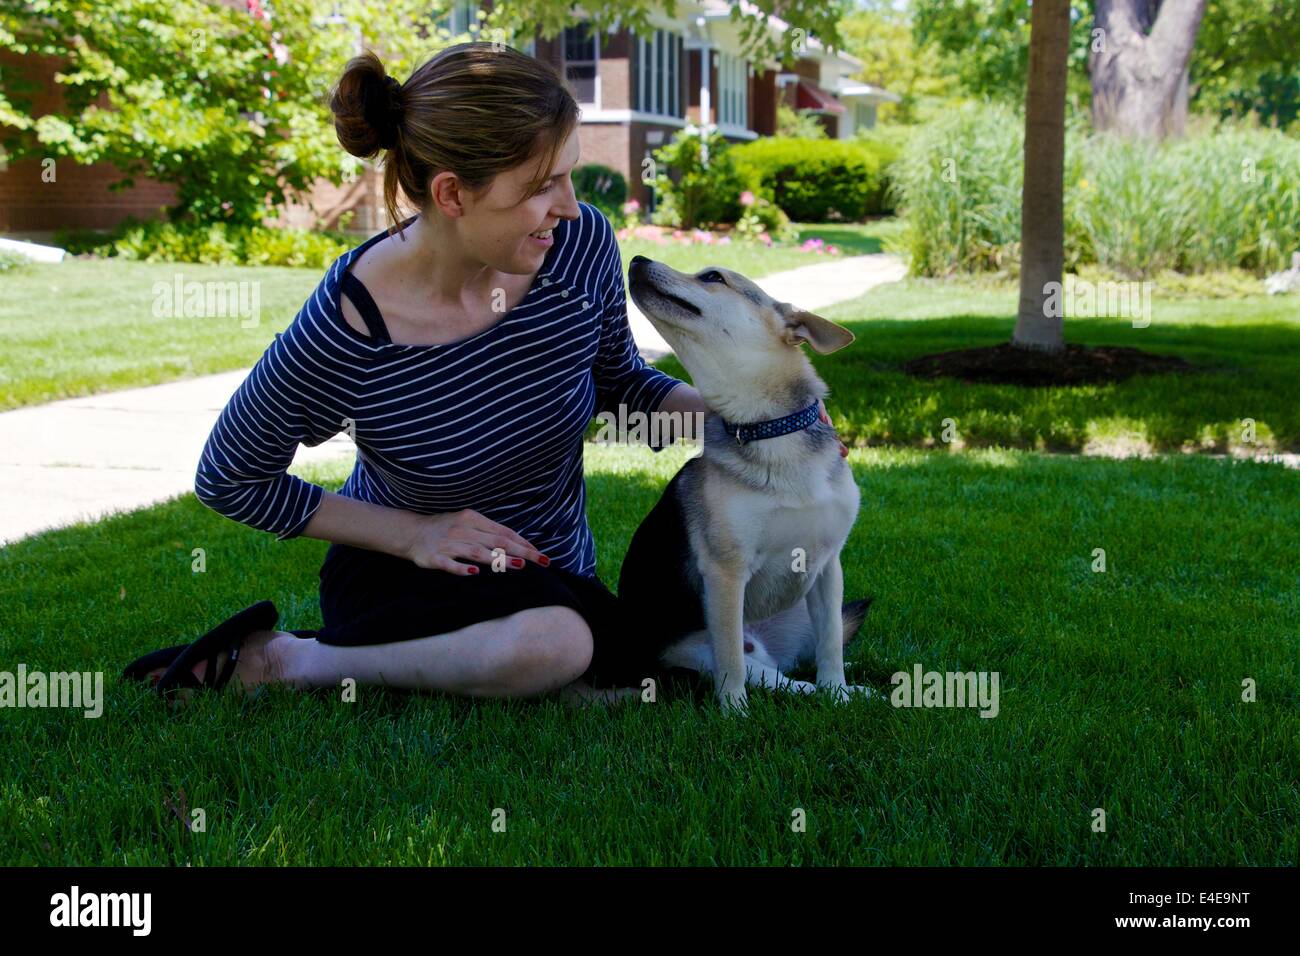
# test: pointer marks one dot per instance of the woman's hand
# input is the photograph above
(821, 408)
(442, 538)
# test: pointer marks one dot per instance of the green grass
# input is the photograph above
(88, 325)
(1246, 351)
(1120, 690)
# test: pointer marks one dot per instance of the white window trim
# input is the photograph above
(737, 132)
(630, 116)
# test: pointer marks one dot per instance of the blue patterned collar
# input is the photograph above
(756, 431)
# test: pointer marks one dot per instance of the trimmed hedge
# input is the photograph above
(819, 180)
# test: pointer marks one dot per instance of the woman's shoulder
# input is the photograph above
(588, 244)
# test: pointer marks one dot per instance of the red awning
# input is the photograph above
(809, 96)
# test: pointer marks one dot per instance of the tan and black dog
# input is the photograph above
(736, 570)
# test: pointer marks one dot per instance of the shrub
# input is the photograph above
(217, 243)
(11, 261)
(1225, 196)
(816, 180)
(959, 183)
(697, 182)
(604, 188)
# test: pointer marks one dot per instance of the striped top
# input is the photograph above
(494, 422)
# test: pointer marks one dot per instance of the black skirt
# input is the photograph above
(367, 597)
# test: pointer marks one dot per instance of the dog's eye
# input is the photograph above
(713, 275)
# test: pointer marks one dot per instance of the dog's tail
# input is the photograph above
(788, 636)
(854, 613)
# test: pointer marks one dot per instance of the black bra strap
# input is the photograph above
(360, 296)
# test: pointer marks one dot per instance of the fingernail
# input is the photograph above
(473, 569)
(544, 561)
(516, 562)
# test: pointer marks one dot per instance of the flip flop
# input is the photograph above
(226, 637)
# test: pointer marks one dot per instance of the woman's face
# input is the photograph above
(502, 232)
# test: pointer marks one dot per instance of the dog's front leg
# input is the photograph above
(824, 609)
(724, 612)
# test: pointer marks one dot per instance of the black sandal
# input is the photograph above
(226, 637)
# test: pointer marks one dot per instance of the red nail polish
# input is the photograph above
(516, 562)
(473, 570)
(544, 561)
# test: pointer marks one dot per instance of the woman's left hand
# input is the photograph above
(821, 408)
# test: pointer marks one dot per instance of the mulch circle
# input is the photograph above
(1077, 365)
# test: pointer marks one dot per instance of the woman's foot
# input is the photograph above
(258, 663)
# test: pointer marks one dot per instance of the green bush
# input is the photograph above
(13, 261)
(819, 180)
(604, 188)
(692, 190)
(959, 183)
(1224, 196)
(217, 243)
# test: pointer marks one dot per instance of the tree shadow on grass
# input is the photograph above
(1241, 396)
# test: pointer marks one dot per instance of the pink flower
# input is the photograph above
(832, 250)
(630, 207)
(747, 198)
(765, 238)
(724, 241)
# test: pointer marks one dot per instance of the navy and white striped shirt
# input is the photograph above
(494, 422)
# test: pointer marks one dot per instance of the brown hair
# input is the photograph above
(470, 109)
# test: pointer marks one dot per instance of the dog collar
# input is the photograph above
(755, 431)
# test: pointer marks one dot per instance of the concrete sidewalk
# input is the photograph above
(84, 458)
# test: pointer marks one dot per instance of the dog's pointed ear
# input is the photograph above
(822, 334)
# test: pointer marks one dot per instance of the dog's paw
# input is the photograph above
(734, 703)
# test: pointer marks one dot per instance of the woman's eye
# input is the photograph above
(713, 275)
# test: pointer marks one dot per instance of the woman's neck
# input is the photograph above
(432, 259)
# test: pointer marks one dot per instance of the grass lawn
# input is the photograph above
(1246, 350)
(87, 326)
(1120, 690)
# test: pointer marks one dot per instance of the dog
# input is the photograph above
(736, 571)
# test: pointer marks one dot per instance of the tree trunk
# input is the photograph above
(1138, 61)
(1042, 217)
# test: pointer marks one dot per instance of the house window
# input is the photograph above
(733, 91)
(457, 20)
(580, 61)
(657, 88)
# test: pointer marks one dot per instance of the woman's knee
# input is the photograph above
(554, 644)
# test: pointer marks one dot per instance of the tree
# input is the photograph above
(883, 39)
(1042, 214)
(1139, 65)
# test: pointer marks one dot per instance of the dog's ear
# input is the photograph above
(822, 334)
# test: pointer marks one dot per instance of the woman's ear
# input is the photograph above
(447, 194)
(822, 334)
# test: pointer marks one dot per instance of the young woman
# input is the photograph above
(465, 350)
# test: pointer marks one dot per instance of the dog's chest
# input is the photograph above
(790, 542)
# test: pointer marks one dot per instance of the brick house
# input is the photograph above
(635, 92)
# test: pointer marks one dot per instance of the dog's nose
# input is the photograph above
(636, 259)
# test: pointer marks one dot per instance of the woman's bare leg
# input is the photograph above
(533, 651)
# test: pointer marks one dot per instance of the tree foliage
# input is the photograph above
(228, 103)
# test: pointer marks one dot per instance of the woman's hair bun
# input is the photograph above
(367, 107)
